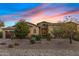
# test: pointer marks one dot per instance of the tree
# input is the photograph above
(58, 32)
(21, 29)
(69, 28)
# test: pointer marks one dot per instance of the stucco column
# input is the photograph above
(4, 35)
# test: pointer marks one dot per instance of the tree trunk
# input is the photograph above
(70, 41)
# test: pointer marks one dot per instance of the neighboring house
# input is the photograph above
(43, 28)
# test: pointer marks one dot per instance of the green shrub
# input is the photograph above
(33, 39)
(44, 36)
(38, 38)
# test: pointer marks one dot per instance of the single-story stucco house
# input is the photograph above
(42, 28)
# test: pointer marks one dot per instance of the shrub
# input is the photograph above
(49, 37)
(33, 38)
(32, 41)
(38, 38)
(10, 46)
(2, 43)
(44, 36)
(16, 44)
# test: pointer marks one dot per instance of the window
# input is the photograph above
(44, 26)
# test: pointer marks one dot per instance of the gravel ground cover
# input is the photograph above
(55, 47)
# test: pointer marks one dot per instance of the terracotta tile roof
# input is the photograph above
(31, 24)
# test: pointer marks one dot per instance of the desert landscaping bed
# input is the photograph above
(55, 47)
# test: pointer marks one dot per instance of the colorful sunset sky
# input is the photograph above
(10, 13)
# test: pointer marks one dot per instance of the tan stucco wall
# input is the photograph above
(50, 29)
(32, 31)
